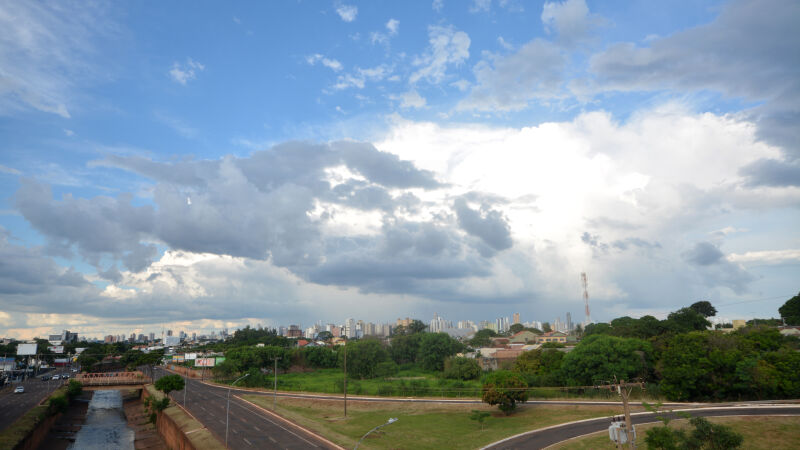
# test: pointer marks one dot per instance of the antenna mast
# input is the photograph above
(585, 282)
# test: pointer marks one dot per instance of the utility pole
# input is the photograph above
(275, 395)
(345, 377)
(622, 389)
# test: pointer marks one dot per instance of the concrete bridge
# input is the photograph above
(105, 380)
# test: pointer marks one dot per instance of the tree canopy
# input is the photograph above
(704, 308)
(790, 311)
(504, 389)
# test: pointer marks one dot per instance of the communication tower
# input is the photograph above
(585, 282)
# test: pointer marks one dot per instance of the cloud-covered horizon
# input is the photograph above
(459, 164)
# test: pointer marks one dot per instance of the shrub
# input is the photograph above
(462, 368)
(58, 403)
(504, 389)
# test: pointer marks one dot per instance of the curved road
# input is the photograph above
(546, 437)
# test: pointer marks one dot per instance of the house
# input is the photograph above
(500, 342)
(552, 336)
(523, 337)
(790, 330)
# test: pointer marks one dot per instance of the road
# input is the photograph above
(13, 406)
(249, 427)
(552, 435)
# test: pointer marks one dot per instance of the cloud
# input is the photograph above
(185, 72)
(747, 52)
(46, 51)
(360, 77)
(486, 224)
(411, 99)
(332, 64)
(480, 6)
(178, 125)
(437, 5)
(392, 28)
(9, 170)
(509, 83)
(704, 254)
(447, 47)
(787, 256)
(348, 13)
(569, 19)
(772, 172)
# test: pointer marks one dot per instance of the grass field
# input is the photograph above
(422, 426)
(412, 383)
(760, 433)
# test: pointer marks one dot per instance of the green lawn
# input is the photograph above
(413, 383)
(422, 426)
(760, 433)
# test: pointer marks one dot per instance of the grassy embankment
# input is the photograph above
(22, 427)
(420, 425)
(760, 433)
(413, 383)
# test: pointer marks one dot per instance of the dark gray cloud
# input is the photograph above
(594, 241)
(97, 226)
(772, 172)
(273, 206)
(486, 224)
(751, 51)
(703, 254)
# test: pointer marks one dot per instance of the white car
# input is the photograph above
(55, 377)
(19, 390)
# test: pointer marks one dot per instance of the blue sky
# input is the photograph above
(274, 162)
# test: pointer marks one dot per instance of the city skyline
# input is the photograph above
(220, 165)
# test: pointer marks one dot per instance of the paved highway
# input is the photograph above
(13, 406)
(249, 428)
(543, 438)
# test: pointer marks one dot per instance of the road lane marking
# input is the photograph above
(257, 429)
(272, 439)
(248, 442)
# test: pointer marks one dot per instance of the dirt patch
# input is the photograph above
(147, 436)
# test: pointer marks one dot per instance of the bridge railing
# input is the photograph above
(112, 378)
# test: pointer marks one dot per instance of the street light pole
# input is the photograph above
(228, 409)
(345, 377)
(275, 395)
(390, 421)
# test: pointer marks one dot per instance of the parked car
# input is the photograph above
(45, 377)
(55, 377)
(19, 390)
(65, 376)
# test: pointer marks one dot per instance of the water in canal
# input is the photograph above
(105, 426)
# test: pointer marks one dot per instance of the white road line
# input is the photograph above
(222, 421)
(272, 439)
(234, 430)
(257, 429)
(248, 442)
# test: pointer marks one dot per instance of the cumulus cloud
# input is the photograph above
(508, 83)
(359, 77)
(447, 47)
(347, 13)
(185, 72)
(570, 19)
(749, 51)
(317, 58)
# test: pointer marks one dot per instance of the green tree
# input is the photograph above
(434, 348)
(459, 368)
(169, 383)
(597, 328)
(685, 320)
(324, 336)
(540, 367)
(704, 308)
(516, 328)
(483, 338)
(363, 357)
(404, 348)
(546, 327)
(504, 389)
(790, 311)
(416, 326)
(601, 358)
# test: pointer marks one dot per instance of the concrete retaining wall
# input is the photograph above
(180, 430)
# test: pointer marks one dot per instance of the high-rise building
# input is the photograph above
(169, 332)
(570, 326)
(516, 318)
(152, 337)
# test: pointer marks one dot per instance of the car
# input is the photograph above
(74, 370)
(19, 390)
(55, 377)
(45, 377)
(65, 376)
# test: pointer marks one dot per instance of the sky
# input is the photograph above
(206, 165)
